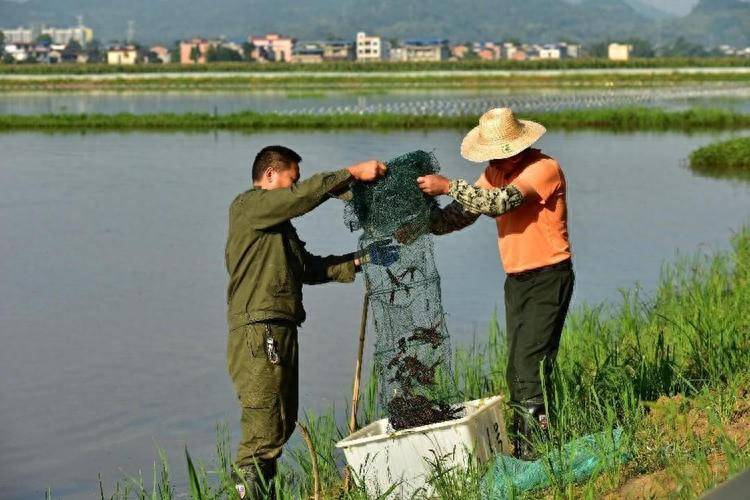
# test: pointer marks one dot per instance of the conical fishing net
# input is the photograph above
(412, 347)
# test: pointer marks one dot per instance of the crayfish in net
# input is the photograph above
(414, 410)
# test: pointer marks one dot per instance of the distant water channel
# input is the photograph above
(445, 102)
(112, 289)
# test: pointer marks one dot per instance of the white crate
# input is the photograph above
(382, 459)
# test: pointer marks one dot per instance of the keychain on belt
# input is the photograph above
(272, 351)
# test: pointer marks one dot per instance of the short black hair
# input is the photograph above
(278, 158)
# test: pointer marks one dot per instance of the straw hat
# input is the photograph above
(499, 135)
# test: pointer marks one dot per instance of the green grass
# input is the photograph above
(361, 81)
(618, 120)
(584, 63)
(724, 159)
(671, 369)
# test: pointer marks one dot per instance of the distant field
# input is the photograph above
(587, 63)
(619, 119)
(364, 77)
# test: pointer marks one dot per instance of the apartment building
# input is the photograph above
(421, 50)
(370, 47)
(272, 47)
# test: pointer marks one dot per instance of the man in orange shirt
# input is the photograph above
(524, 190)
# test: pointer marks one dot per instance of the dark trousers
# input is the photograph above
(536, 304)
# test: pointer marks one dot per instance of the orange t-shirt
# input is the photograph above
(535, 234)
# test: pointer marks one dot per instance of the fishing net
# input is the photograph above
(573, 462)
(412, 347)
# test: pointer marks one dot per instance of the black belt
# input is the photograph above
(565, 265)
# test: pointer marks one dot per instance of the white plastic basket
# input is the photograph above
(406, 458)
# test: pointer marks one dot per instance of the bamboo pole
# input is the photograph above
(358, 366)
(357, 379)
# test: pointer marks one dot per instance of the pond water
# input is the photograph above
(730, 96)
(113, 283)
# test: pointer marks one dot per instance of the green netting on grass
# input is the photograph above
(576, 461)
(412, 347)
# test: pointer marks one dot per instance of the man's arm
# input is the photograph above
(318, 270)
(342, 268)
(452, 217)
(479, 199)
(264, 208)
(492, 202)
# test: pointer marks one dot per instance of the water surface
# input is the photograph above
(112, 278)
(728, 96)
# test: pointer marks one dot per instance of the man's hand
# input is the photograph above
(434, 184)
(368, 171)
(378, 253)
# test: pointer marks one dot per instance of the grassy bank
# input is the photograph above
(619, 119)
(361, 81)
(725, 159)
(672, 370)
(549, 64)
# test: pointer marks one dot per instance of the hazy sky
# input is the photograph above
(679, 7)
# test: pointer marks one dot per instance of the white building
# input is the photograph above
(18, 35)
(123, 55)
(421, 50)
(18, 51)
(619, 51)
(63, 36)
(569, 50)
(370, 48)
(548, 52)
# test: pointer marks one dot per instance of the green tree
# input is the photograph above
(599, 49)
(2, 43)
(95, 52)
(73, 47)
(248, 49)
(44, 39)
(684, 48)
(195, 54)
(174, 56)
(217, 54)
(470, 54)
(641, 48)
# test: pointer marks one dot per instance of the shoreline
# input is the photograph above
(626, 119)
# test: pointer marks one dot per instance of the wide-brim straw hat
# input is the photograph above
(499, 135)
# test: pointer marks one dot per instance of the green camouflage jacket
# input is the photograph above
(267, 262)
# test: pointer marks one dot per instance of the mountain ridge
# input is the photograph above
(543, 21)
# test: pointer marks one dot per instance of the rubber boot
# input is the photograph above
(255, 482)
(529, 422)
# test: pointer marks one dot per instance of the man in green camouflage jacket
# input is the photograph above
(267, 265)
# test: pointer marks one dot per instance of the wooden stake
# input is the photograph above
(357, 378)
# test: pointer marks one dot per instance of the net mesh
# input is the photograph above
(575, 461)
(412, 346)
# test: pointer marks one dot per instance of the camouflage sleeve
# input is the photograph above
(491, 202)
(451, 218)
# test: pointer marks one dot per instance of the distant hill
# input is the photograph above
(650, 9)
(713, 22)
(459, 20)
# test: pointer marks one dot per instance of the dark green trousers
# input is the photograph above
(267, 389)
(535, 308)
